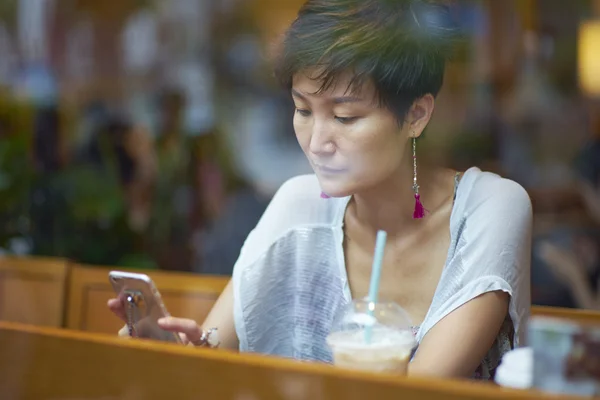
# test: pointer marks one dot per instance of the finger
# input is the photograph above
(117, 307)
(181, 325)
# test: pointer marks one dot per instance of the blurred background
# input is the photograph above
(151, 133)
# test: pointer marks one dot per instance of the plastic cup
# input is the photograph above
(375, 337)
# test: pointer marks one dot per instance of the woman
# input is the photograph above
(364, 75)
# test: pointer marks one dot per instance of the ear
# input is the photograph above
(419, 115)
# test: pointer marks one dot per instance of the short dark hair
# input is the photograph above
(401, 45)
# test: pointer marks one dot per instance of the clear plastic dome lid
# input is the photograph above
(363, 314)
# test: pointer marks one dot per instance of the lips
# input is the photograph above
(328, 169)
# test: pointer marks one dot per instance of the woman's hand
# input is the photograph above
(117, 306)
(189, 331)
(220, 318)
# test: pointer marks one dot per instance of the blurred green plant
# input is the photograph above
(16, 175)
(97, 216)
(78, 212)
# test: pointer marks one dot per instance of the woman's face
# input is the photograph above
(352, 143)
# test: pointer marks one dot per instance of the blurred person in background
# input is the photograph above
(47, 200)
(47, 140)
(588, 168)
(100, 188)
(202, 209)
(566, 268)
(226, 207)
(255, 113)
(364, 75)
(169, 230)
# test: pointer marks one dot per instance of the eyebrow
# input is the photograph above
(336, 100)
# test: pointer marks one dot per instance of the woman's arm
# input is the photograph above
(490, 268)
(221, 317)
(455, 346)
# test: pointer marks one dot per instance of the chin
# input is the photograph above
(335, 189)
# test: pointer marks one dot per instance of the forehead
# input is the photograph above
(308, 82)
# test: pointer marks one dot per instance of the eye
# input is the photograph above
(346, 120)
(303, 112)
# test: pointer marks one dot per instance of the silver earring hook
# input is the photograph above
(414, 154)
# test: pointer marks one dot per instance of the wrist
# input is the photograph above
(208, 338)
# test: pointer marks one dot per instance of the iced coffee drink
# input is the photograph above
(372, 337)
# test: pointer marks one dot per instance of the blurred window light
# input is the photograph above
(8, 59)
(140, 42)
(33, 22)
(80, 50)
(589, 57)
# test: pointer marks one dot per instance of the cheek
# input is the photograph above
(390, 154)
(302, 133)
(376, 157)
(373, 150)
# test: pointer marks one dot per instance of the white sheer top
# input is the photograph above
(290, 278)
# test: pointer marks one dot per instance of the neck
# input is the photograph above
(389, 206)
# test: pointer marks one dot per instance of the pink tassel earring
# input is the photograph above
(419, 209)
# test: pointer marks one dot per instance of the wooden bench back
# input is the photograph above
(54, 363)
(32, 290)
(585, 317)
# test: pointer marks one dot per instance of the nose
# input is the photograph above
(321, 140)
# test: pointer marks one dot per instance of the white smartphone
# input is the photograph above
(143, 305)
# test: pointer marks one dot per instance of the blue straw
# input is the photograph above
(375, 278)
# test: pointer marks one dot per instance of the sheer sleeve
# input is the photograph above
(490, 251)
(282, 243)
